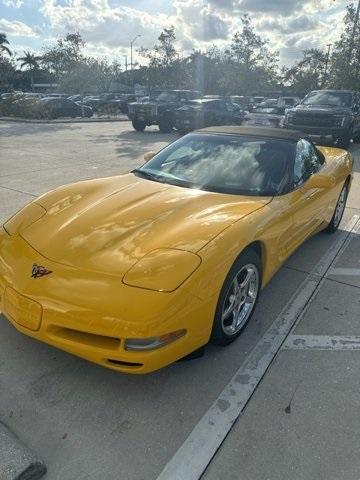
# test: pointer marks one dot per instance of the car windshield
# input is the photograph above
(242, 165)
(336, 99)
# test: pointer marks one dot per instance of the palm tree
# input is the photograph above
(3, 42)
(31, 61)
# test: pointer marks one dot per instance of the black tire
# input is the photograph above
(165, 126)
(220, 334)
(337, 216)
(344, 141)
(356, 137)
(138, 125)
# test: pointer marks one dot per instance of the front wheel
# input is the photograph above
(357, 137)
(344, 141)
(138, 125)
(238, 298)
(339, 210)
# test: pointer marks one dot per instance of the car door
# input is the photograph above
(308, 205)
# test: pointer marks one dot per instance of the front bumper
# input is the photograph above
(92, 315)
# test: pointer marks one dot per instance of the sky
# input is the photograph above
(108, 26)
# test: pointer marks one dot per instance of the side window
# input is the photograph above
(306, 162)
(230, 107)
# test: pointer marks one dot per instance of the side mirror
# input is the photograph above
(149, 155)
(319, 181)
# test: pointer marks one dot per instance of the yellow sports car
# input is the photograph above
(136, 271)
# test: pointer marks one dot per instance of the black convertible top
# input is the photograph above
(276, 133)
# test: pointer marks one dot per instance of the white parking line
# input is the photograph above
(352, 272)
(321, 342)
(194, 455)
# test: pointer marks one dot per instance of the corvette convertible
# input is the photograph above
(136, 271)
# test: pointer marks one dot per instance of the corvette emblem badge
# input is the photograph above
(39, 271)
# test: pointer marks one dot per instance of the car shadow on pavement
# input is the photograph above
(135, 144)
(8, 130)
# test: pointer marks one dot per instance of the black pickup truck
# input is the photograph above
(160, 111)
(328, 113)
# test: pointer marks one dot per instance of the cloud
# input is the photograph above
(280, 7)
(108, 26)
(13, 3)
(16, 28)
(200, 21)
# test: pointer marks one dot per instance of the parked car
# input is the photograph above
(245, 102)
(289, 102)
(265, 116)
(206, 113)
(76, 98)
(328, 113)
(92, 101)
(160, 111)
(63, 107)
(124, 101)
(180, 248)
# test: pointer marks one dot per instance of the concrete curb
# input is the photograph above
(17, 462)
(70, 120)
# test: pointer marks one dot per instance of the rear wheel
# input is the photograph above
(138, 125)
(238, 298)
(339, 210)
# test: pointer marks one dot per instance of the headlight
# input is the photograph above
(152, 343)
(23, 219)
(163, 270)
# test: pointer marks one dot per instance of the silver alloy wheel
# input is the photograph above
(240, 299)
(340, 206)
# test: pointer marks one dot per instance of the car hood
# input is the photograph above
(321, 109)
(107, 225)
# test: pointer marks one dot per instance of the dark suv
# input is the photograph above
(207, 112)
(159, 111)
(328, 113)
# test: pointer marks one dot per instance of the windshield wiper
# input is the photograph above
(149, 175)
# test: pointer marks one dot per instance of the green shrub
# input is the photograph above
(18, 105)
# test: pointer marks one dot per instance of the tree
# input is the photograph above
(249, 64)
(163, 61)
(345, 59)
(306, 74)
(7, 74)
(89, 75)
(61, 58)
(31, 61)
(3, 45)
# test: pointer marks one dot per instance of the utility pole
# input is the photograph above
(126, 64)
(326, 63)
(131, 50)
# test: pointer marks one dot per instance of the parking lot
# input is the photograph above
(293, 376)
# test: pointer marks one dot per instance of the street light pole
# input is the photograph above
(131, 50)
(326, 63)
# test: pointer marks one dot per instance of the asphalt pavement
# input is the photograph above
(256, 410)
